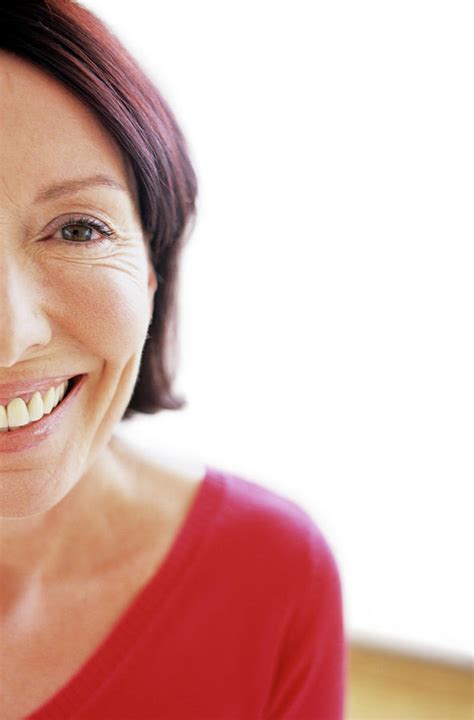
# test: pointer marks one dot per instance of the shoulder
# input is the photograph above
(273, 534)
(268, 514)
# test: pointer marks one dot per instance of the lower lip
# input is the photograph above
(29, 436)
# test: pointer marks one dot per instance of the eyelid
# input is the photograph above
(79, 216)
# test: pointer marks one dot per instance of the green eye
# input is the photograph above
(77, 233)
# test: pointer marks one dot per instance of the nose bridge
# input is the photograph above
(23, 324)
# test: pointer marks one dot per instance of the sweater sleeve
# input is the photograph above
(310, 679)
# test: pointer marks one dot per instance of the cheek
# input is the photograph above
(106, 311)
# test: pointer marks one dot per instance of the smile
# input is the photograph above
(24, 425)
(18, 412)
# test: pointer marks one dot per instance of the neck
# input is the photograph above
(74, 538)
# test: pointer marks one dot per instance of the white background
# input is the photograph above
(326, 317)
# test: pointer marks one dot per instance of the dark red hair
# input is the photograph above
(70, 43)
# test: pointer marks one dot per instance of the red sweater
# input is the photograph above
(242, 621)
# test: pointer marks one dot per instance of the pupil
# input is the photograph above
(73, 232)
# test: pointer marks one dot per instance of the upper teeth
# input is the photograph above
(18, 413)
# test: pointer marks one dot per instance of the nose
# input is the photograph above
(23, 325)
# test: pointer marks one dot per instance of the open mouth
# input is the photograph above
(71, 383)
(25, 423)
(25, 436)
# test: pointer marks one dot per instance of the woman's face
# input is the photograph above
(72, 301)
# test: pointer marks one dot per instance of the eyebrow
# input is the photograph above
(68, 187)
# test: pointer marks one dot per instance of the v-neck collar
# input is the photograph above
(129, 627)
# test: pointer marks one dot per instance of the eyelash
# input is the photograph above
(88, 222)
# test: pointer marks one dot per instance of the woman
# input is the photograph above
(129, 589)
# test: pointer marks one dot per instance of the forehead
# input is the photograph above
(48, 134)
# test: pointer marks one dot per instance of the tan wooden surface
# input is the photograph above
(386, 685)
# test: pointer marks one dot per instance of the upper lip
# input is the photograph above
(8, 391)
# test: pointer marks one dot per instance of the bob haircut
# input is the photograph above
(70, 43)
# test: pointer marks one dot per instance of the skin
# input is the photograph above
(66, 505)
